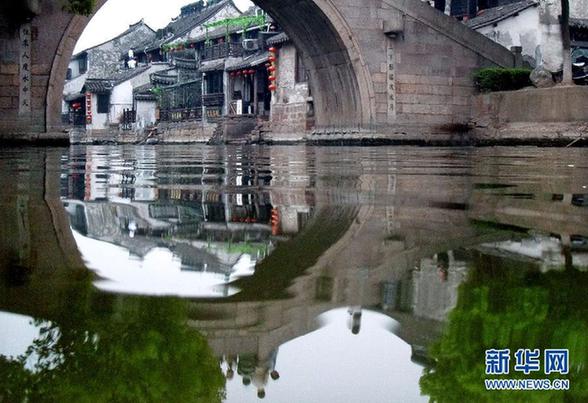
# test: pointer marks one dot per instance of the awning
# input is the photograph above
(213, 65)
(251, 61)
(73, 97)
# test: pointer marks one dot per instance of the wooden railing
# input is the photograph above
(222, 50)
(216, 99)
(180, 114)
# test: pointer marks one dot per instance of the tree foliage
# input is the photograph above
(116, 349)
(82, 7)
(499, 79)
(505, 304)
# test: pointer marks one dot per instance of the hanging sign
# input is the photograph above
(88, 108)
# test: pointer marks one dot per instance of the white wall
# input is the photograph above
(522, 30)
(288, 91)
(145, 114)
(99, 120)
(579, 8)
(121, 98)
(552, 48)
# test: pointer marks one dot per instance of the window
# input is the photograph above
(301, 74)
(83, 64)
(103, 103)
(215, 82)
(68, 74)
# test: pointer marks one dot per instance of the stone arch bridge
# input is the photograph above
(386, 67)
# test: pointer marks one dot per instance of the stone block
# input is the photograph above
(9, 68)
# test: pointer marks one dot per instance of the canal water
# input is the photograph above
(289, 274)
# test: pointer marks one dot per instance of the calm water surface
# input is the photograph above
(288, 274)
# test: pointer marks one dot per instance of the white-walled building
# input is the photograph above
(107, 99)
(534, 26)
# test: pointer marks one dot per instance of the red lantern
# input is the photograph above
(272, 87)
(271, 69)
(272, 78)
(252, 72)
(272, 59)
(272, 50)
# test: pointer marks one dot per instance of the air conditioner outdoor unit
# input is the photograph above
(250, 44)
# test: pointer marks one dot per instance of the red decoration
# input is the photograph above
(251, 71)
(272, 87)
(271, 68)
(272, 59)
(272, 50)
(272, 78)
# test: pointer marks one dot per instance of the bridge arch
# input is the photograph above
(339, 77)
(392, 69)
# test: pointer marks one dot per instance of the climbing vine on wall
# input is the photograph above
(82, 7)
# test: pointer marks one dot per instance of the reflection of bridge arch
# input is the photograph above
(369, 62)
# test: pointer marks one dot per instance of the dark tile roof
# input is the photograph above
(579, 23)
(131, 28)
(125, 75)
(496, 14)
(251, 61)
(186, 64)
(97, 86)
(182, 25)
(164, 78)
(101, 86)
(278, 39)
(144, 93)
(213, 65)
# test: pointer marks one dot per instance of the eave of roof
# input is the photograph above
(199, 19)
(278, 39)
(497, 14)
(579, 23)
(127, 31)
(250, 61)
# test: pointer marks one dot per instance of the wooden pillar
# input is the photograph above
(255, 84)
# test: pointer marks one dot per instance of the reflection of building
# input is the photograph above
(548, 252)
(214, 217)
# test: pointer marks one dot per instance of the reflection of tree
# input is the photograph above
(507, 304)
(127, 350)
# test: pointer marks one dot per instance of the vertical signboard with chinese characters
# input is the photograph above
(88, 108)
(25, 70)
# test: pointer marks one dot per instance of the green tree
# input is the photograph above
(508, 304)
(116, 349)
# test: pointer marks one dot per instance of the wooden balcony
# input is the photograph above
(222, 50)
(180, 114)
(216, 99)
